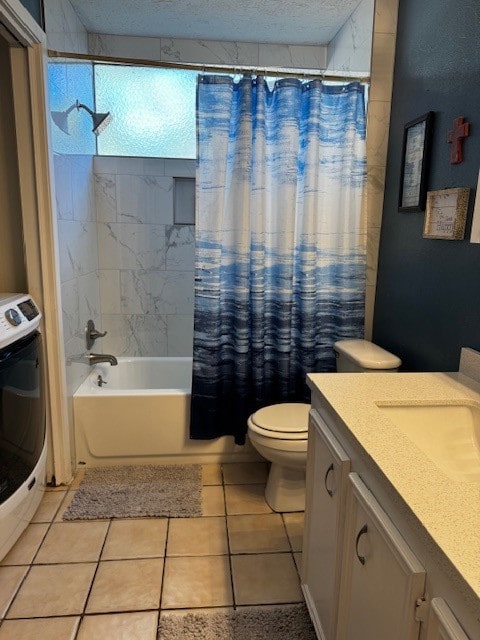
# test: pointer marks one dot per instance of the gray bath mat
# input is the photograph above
(138, 492)
(286, 622)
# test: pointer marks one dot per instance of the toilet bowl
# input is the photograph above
(279, 432)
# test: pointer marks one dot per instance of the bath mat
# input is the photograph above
(286, 622)
(138, 492)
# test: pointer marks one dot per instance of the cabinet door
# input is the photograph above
(442, 624)
(327, 475)
(381, 578)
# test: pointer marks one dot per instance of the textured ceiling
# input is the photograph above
(270, 21)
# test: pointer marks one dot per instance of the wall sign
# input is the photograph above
(415, 156)
(446, 214)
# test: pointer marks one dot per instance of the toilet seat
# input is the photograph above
(284, 421)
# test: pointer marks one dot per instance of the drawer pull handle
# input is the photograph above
(329, 491)
(363, 530)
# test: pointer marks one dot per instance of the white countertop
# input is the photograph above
(449, 510)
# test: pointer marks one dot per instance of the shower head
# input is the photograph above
(100, 120)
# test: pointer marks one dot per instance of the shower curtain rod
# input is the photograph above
(211, 68)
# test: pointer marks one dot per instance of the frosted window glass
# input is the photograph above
(153, 111)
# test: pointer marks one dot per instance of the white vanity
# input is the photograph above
(392, 525)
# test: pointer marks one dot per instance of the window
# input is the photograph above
(153, 111)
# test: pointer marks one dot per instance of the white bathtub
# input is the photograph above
(142, 416)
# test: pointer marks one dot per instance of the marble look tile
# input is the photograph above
(180, 247)
(383, 57)
(285, 55)
(140, 166)
(135, 335)
(180, 168)
(105, 164)
(54, 628)
(24, 550)
(88, 300)
(109, 283)
(131, 246)
(265, 579)
(121, 626)
(77, 248)
(63, 186)
(373, 243)
(53, 590)
(144, 199)
(197, 582)
(126, 585)
(10, 579)
(124, 46)
(374, 192)
(160, 292)
(105, 197)
(209, 51)
(70, 309)
(83, 188)
(180, 335)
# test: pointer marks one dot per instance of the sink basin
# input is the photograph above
(447, 434)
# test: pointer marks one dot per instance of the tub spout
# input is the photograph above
(95, 358)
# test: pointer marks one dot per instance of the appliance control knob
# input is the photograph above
(13, 317)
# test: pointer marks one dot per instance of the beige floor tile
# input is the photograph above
(39, 629)
(298, 560)
(48, 506)
(141, 625)
(260, 533)
(213, 501)
(68, 542)
(126, 585)
(142, 538)
(53, 590)
(294, 526)
(211, 474)
(246, 498)
(10, 579)
(77, 478)
(197, 582)
(197, 537)
(265, 579)
(245, 473)
(24, 550)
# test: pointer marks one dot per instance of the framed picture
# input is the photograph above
(446, 214)
(415, 156)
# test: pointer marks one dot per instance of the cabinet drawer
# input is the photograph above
(381, 577)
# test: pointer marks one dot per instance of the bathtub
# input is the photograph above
(142, 416)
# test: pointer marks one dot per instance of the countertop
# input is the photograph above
(449, 510)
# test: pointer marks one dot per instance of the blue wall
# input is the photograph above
(428, 291)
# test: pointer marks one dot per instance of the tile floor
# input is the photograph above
(113, 578)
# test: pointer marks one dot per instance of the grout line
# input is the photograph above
(234, 604)
(163, 571)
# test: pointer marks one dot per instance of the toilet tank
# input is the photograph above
(356, 356)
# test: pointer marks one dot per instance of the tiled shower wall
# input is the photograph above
(146, 262)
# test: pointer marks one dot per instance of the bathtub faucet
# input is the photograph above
(95, 358)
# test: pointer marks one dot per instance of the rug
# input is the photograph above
(138, 492)
(286, 622)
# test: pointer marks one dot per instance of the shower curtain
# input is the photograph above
(280, 242)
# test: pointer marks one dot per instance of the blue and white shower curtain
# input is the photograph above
(280, 242)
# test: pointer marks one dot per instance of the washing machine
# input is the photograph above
(23, 450)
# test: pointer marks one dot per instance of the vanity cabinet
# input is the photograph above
(442, 624)
(381, 577)
(327, 477)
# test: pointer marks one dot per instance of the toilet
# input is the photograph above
(279, 432)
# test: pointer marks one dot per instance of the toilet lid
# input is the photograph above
(287, 417)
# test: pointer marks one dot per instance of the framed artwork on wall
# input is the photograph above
(415, 157)
(446, 214)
